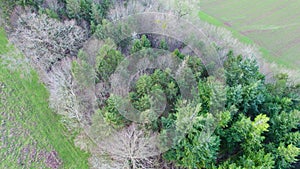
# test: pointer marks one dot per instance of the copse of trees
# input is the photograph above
(259, 126)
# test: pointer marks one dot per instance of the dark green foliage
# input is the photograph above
(115, 31)
(101, 30)
(177, 53)
(241, 71)
(204, 93)
(248, 138)
(137, 45)
(286, 155)
(248, 133)
(107, 61)
(246, 89)
(7, 6)
(140, 44)
(283, 123)
(50, 13)
(88, 10)
(244, 124)
(79, 9)
(253, 160)
(197, 66)
(186, 81)
(99, 11)
(272, 135)
(112, 115)
(158, 82)
(195, 149)
(163, 45)
(145, 42)
(35, 3)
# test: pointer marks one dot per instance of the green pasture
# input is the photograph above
(271, 24)
(29, 130)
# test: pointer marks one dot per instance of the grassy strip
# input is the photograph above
(244, 39)
(27, 103)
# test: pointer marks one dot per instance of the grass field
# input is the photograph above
(31, 135)
(272, 24)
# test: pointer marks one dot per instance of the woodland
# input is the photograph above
(143, 84)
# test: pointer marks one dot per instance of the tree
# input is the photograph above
(129, 7)
(73, 8)
(45, 41)
(246, 84)
(257, 159)
(140, 44)
(131, 148)
(287, 155)
(241, 71)
(195, 148)
(163, 44)
(107, 61)
(96, 14)
(112, 115)
(62, 91)
(145, 41)
(99, 11)
(82, 71)
(177, 53)
(283, 123)
(246, 133)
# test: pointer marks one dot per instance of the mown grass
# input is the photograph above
(27, 121)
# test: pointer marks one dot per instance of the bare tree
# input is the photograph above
(131, 148)
(130, 7)
(61, 85)
(46, 41)
(91, 48)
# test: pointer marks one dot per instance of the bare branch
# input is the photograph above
(45, 41)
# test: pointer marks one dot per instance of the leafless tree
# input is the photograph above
(69, 98)
(130, 7)
(62, 89)
(179, 8)
(225, 41)
(46, 41)
(91, 48)
(131, 148)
